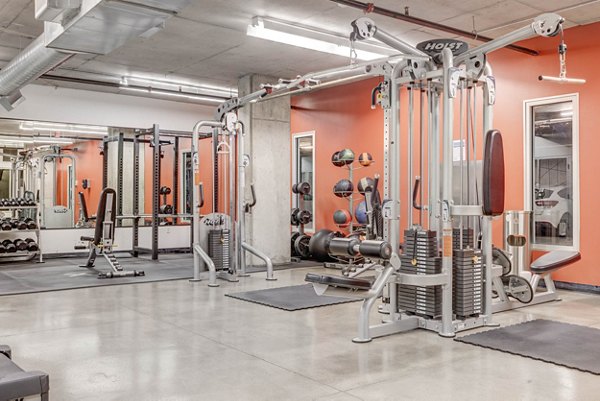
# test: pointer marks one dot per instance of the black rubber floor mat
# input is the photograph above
(291, 298)
(65, 274)
(559, 343)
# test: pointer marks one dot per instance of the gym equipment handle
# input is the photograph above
(251, 205)
(415, 193)
(201, 190)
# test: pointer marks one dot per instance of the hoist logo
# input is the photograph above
(435, 46)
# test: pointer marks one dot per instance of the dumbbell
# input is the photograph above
(13, 202)
(20, 244)
(31, 224)
(32, 246)
(164, 190)
(293, 219)
(5, 225)
(10, 247)
(301, 188)
(304, 216)
(2, 249)
(166, 209)
(21, 224)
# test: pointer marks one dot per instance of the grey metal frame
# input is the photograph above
(229, 126)
(442, 82)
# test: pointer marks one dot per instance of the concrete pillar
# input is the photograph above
(268, 144)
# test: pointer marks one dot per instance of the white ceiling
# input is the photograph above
(207, 44)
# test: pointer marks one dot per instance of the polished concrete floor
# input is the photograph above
(181, 341)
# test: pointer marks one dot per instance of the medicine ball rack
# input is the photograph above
(345, 263)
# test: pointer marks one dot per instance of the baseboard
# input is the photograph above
(562, 285)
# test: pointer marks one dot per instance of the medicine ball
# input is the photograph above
(365, 159)
(342, 218)
(365, 184)
(343, 188)
(360, 213)
(347, 156)
(335, 159)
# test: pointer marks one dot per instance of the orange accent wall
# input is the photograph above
(342, 117)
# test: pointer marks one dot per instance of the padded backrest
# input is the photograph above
(493, 174)
(101, 213)
(83, 206)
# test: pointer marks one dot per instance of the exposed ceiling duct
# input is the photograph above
(80, 26)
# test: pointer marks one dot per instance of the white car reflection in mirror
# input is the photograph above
(553, 211)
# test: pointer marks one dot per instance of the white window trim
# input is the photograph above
(295, 138)
(528, 165)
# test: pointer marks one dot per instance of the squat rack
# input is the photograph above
(154, 137)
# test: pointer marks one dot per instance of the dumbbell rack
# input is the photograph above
(300, 230)
(21, 256)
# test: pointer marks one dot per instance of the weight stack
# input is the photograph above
(420, 256)
(467, 273)
(219, 248)
(467, 236)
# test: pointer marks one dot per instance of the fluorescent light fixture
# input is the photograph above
(179, 86)
(36, 139)
(70, 128)
(566, 113)
(308, 38)
(173, 94)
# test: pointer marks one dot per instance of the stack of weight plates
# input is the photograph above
(467, 282)
(420, 256)
(467, 235)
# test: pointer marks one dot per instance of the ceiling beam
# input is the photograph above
(371, 8)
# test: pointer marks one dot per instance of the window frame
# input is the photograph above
(528, 165)
(295, 172)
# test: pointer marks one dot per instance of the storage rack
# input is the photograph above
(20, 256)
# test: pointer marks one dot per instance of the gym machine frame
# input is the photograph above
(229, 126)
(441, 82)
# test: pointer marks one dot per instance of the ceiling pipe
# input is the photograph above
(27, 66)
(114, 85)
(371, 8)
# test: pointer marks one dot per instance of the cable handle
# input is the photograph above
(251, 205)
(415, 193)
(201, 190)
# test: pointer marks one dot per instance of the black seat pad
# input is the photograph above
(342, 282)
(102, 203)
(554, 260)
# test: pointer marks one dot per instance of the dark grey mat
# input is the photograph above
(291, 298)
(65, 273)
(563, 344)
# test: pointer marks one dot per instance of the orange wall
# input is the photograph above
(342, 117)
(516, 77)
(340, 120)
(88, 166)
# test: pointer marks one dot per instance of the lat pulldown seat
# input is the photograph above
(103, 238)
(16, 384)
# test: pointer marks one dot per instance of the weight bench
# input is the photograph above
(103, 238)
(541, 269)
(16, 384)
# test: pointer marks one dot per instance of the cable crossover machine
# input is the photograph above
(444, 278)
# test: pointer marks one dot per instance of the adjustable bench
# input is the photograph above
(16, 384)
(103, 238)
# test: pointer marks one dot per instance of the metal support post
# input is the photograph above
(155, 188)
(120, 177)
(447, 328)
